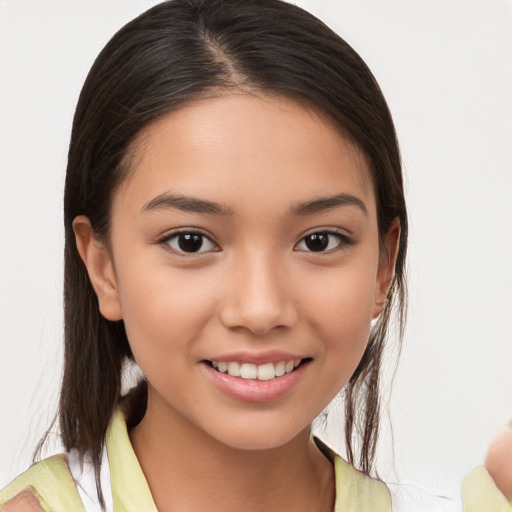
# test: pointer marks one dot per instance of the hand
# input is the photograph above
(499, 462)
(23, 502)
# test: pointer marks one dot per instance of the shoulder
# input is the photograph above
(50, 482)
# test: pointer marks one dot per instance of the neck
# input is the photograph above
(187, 469)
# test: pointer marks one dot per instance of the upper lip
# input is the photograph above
(258, 358)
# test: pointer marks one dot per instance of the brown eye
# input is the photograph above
(189, 242)
(317, 242)
(322, 241)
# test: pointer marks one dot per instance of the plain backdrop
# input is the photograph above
(445, 67)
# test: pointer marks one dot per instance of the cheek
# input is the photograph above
(345, 334)
(344, 305)
(342, 315)
(164, 309)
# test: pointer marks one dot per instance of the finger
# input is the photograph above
(23, 502)
(499, 462)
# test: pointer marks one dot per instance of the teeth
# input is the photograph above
(266, 371)
(234, 369)
(280, 369)
(248, 371)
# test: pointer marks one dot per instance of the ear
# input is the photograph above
(100, 268)
(386, 269)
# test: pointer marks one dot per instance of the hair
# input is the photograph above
(173, 54)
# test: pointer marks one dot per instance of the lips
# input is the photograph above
(259, 380)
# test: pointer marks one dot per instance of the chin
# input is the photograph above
(259, 438)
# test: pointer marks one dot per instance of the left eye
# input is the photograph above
(190, 242)
(320, 242)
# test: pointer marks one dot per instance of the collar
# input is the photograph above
(355, 491)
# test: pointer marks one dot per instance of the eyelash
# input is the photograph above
(341, 239)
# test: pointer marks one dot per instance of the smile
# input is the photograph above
(252, 382)
(267, 371)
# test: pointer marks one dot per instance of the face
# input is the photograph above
(244, 260)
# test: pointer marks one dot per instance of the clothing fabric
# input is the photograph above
(60, 484)
(480, 494)
(84, 475)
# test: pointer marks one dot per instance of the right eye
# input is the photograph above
(189, 242)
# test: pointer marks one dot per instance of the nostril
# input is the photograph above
(258, 300)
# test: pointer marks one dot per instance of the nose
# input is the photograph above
(258, 296)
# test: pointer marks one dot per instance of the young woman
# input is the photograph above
(236, 225)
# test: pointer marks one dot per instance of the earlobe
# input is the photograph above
(386, 269)
(100, 268)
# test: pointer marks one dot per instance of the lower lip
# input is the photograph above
(253, 390)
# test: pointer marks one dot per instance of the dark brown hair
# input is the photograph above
(174, 53)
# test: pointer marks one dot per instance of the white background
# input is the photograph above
(445, 67)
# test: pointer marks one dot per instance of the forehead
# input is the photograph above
(268, 147)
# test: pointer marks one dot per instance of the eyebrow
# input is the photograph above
(326, 203)
(186, 204)
(196, 205)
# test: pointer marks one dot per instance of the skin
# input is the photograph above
(23, 502)
(255, 287)
(499, 462)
